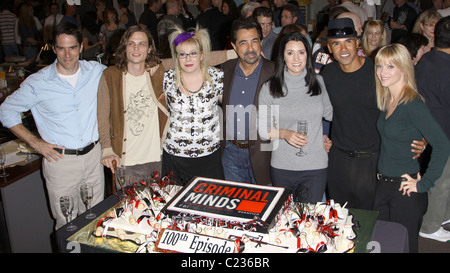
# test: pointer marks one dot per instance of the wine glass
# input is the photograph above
(302, 128)
(120, 175)
(29, 157)
(87, 194)
(66, 203)
(3, 162)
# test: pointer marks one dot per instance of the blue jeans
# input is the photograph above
(237, 165)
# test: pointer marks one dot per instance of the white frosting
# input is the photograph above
(294, 230)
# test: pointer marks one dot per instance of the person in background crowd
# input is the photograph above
(370, 9)
(231, 13)
(166, 25)
(279, 6)
(67, 88)
(245, 157)
(350, 84)
(127, 17)
(193, 90)
(8, 39)
(264, 16)
(150, 20)
(92, 44)
(289, 14)
(217, 4)
(70, 14)
(434, 85)
(293, 93)
(29, 29)
(111, 30)
(100, 7)
(374, 38)
(416, 44)
(445, 11)
(437, 4)
(248, 8)
(51, 21)
(401, 193)
(348, 4)
(425, 25)
(185, 15)
(214, 21)
(132, 112)
(266, 3)
(402, 20)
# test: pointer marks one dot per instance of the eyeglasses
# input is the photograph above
(193, 54)
(346, 31)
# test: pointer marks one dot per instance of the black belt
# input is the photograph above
(357, 153)
(242, 144)
(81, 151)
(396, 179)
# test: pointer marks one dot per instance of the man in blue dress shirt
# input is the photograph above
(63, 100)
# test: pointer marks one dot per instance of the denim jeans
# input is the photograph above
(237, 165)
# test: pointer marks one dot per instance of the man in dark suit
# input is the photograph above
(150, 20)
(213, 20)
(246, 158)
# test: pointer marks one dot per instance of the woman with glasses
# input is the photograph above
(401, 193)
(193, 90)
(294, 93)
(425, 25)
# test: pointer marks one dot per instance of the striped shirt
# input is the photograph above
(7, 25)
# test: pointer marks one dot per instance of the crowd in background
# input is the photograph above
(26, 24)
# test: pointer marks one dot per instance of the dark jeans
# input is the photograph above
(237, 165)
(307, 186)
(393, 206)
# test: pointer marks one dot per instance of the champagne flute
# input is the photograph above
(3, 162)
(87, 194)
(302, 128)
(66, 203)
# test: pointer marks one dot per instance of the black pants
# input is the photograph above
(393, 206)
(306, 186)
(351, 179)
(185, 169)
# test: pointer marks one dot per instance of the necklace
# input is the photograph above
(192, 92)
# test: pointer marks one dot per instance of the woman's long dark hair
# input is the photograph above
(276, 81)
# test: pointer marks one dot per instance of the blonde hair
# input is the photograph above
(201, 40)
(373, 24)
(399, 56)
(425, 17)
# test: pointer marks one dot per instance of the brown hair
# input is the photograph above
(121, 55)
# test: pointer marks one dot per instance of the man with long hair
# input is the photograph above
(132, 111)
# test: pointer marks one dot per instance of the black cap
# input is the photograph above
(341, 28)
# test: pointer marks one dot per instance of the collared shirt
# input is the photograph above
(242, 99)
(64, 115)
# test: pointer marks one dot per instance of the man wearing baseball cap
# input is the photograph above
(350, 82)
